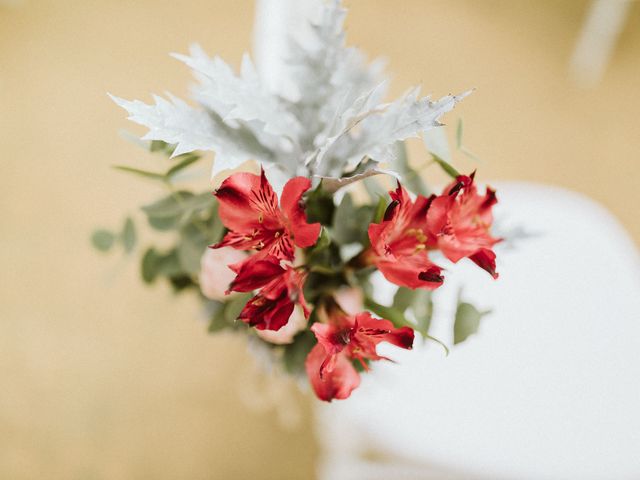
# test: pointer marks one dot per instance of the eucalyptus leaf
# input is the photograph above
(319, 206)
(419, 302)
(323, 241)
(404, 298)
(103, 240)
(459, 132)
(164, 223)
(234, 306)
(177, 209)
(295, 353)
(160, 146)
(349, 220)
(140, 173)
(217, 321)
(467, 322)
(149, 265)
(193, 243)
(181, 282)
(213, 310)
(392, 314)
(128, 235)
(423, 311)
(446, 166)
(188, 159)
(381, 207)
(170, 206)
(155, 264)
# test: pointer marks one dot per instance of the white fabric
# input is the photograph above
(548, 388)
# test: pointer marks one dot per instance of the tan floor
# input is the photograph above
(105, 379)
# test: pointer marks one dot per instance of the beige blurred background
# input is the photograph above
(106, 379)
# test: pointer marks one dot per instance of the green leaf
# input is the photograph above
(235, 305)
(296, 352)
(160, 146)
(319, 206)
(164, 224)
(459, 134)
(323, 241)
(420, 303)
(350, 222)
(381, 207)
(149, 265)
(170, 206)
(193, 243)
(404, 298)
(202, 201)
(140, 173)
(177, 209)
(343, 221)
(155, 264)
(184, 163)
(398, 319)
(180, 282)
(128, 235)
(392, 314)
(170, 264)
(213, 310)
(103, 240)
(215, 224)
(467, 322)
(224, 315)
(449, 170)
(423, 311)
(216, 313)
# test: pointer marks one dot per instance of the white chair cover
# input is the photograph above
(548, 388)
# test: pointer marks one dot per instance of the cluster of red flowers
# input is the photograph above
(456, 223)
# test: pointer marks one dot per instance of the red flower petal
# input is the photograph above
(486, 260)
(329, 337)
(266, 313)
(237, 209)
(304, 234)
(337, 383)
(272, 307)
(254, 273)
(409, 271)
(376, 330)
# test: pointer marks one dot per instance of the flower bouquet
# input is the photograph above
(297, 233)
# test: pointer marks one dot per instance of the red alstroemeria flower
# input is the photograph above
(249, 209)
(458, 223)
(399, 243)
(347, 338)
(281, 288)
